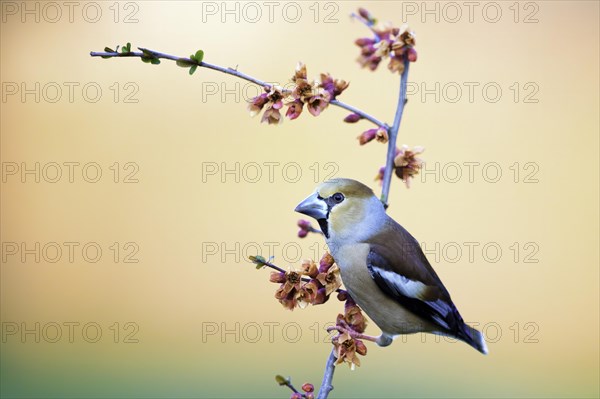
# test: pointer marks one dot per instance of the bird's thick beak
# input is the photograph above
(313, 207)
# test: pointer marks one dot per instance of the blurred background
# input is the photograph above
(132, 195)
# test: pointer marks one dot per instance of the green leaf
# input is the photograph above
(199, 56)
(184, 63)
(109, 50)
(148, 54)
(281, 380)
(259, 260)
(155, 61)
(193, 69)
(126, 48)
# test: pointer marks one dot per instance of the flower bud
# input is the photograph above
(352, 118)
(302, 233)
(308, 387)
(296, 395)
(304, 224)
(321, 297)
(361, 348)
(412, 54)
(326, 262)
(364, 41)
(380, 174)
(342, 296)
(367, 136)
(364, 13)
(277, 277)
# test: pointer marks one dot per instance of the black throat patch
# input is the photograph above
(324, 227)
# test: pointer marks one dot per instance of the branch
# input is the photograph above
(326, 386)
(359, 112)
(144, 52)
(393, 136)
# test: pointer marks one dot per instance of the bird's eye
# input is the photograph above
(338, 197)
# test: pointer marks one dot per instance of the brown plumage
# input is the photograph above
(382, 265)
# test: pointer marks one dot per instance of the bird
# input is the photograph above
(382, 265)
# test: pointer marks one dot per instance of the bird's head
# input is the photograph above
(344, 208)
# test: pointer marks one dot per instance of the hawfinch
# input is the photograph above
(383, 267)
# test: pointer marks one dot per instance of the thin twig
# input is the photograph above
(393, 136)
(359, 112)
(326, 386)
(367, 23)
(288, 383)
(313, 230)
(229, 71)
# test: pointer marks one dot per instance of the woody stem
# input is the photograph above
(144, 52)
(393, 136)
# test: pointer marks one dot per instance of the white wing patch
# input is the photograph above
(415, 289)
(409, 288)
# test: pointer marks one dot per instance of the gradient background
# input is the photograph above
(176, 212)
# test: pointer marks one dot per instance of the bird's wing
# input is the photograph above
(401, 270)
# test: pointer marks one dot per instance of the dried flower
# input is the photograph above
(326, 262)
(354, 317)
(271, 102)
(287, 292)
(396, 64)
(272, 115)
(294, 109)
(333, 86)
(382, 135)
(309, 268)
(347, 348)
(331, 279)
(317, 103)
(307, 294)
(300, 72)
(303, 90)
(289, 301)
(391, 42)
(257, 103)
(406, 163)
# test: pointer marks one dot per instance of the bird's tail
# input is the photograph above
(473, 337)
